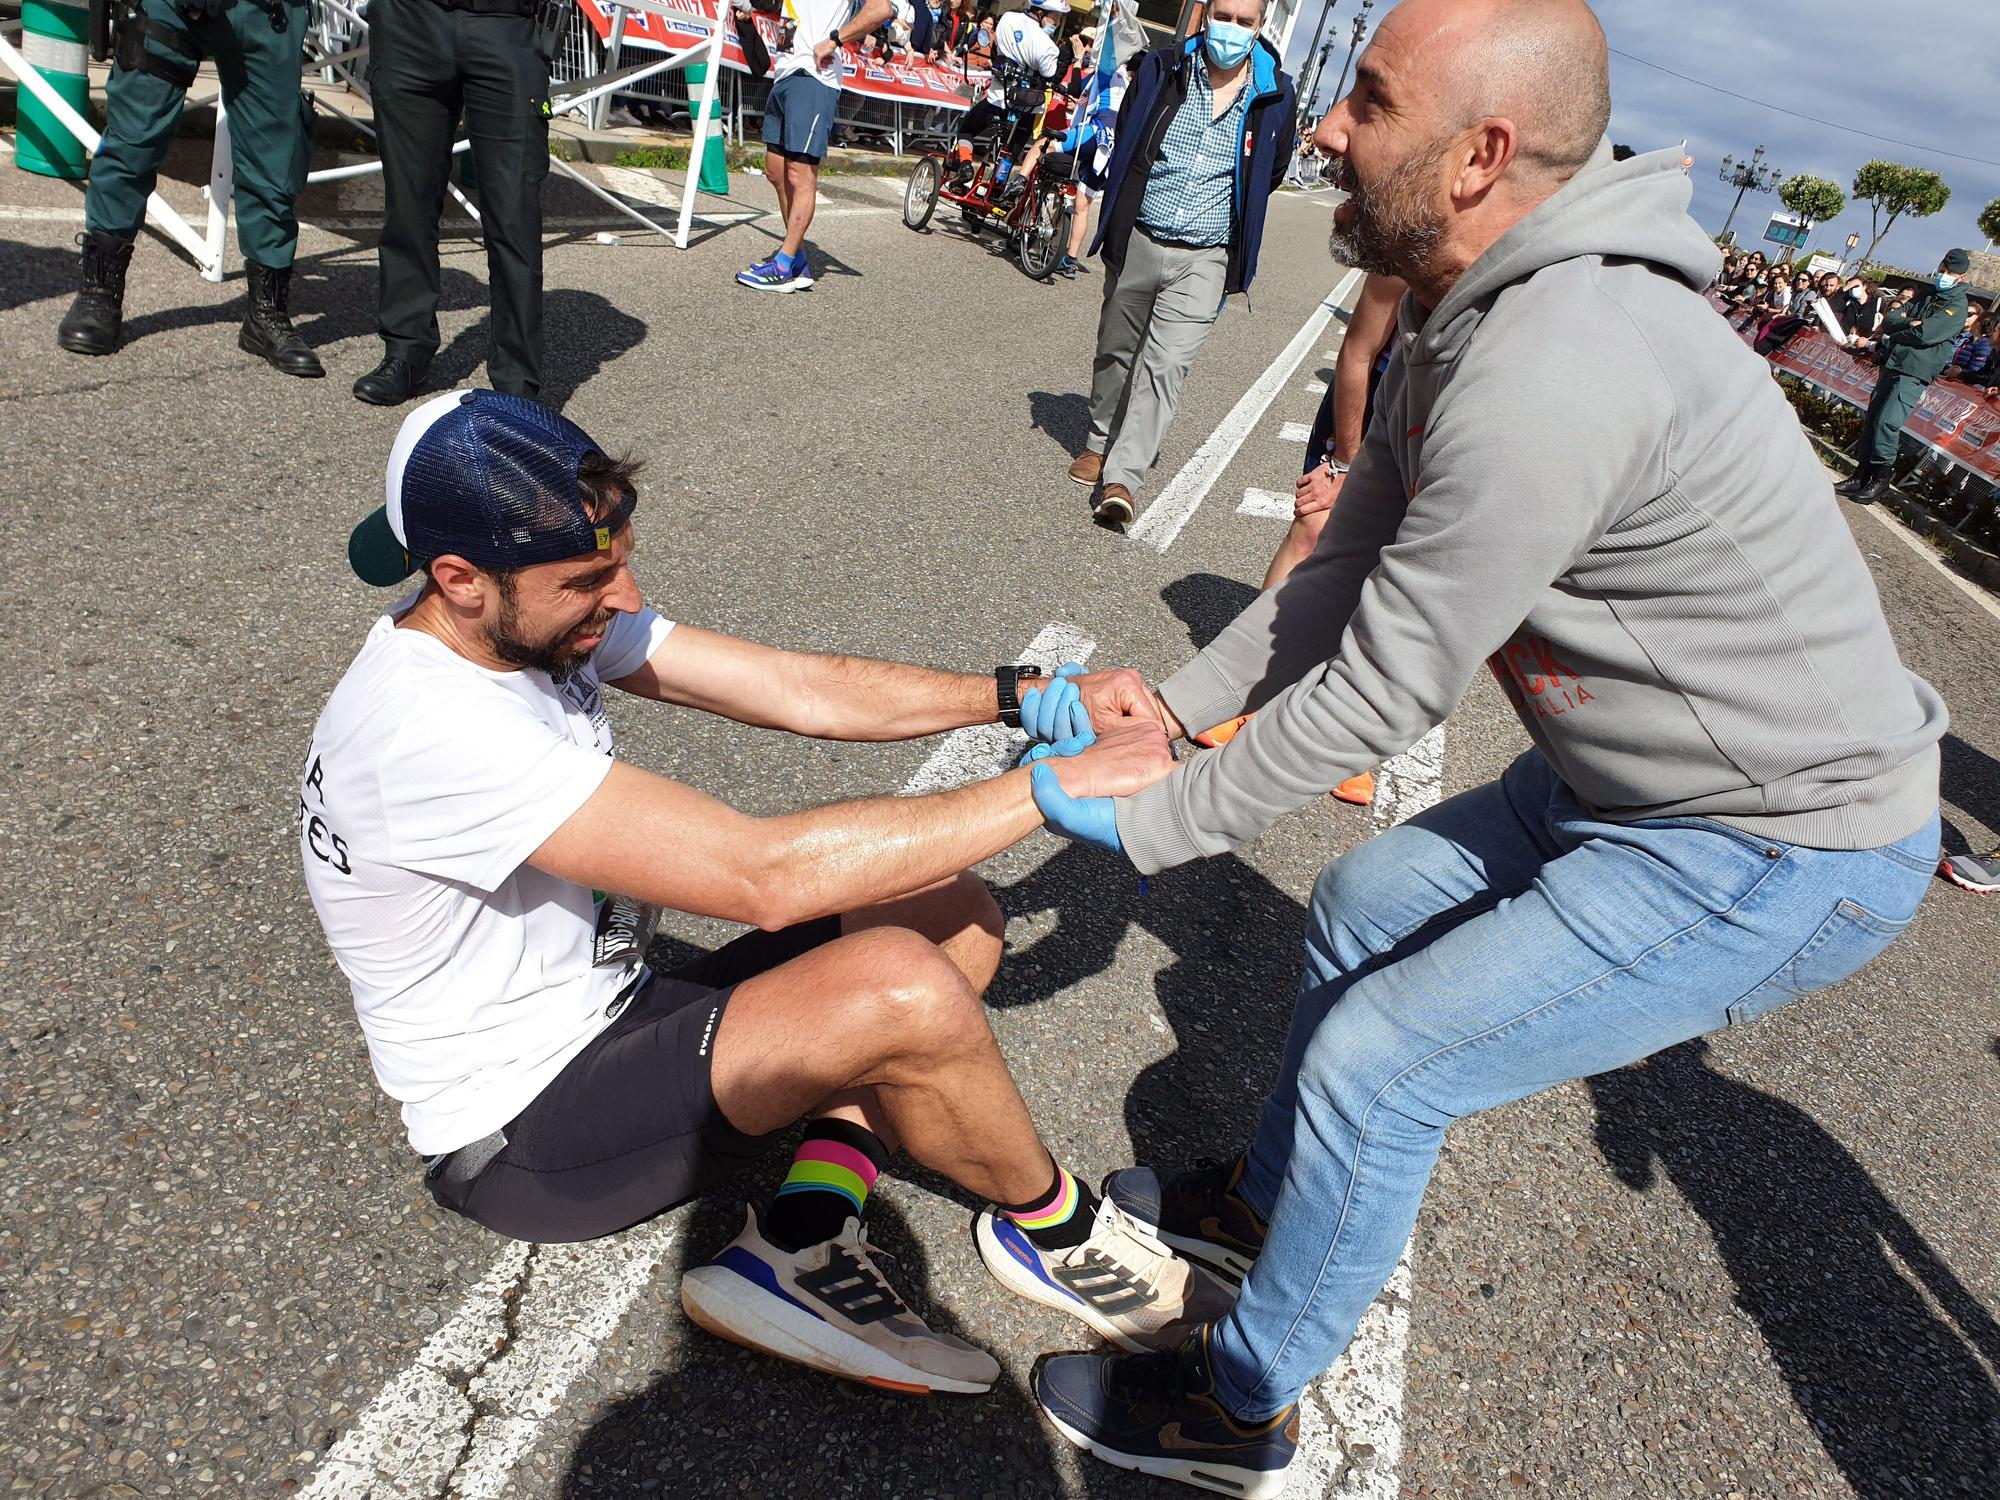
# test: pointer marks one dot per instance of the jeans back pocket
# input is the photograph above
(1841, 945)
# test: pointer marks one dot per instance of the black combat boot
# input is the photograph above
(92, 322)
(1863, 472)
(1877, 488)
(267, 329)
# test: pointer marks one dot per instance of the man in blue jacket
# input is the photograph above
(1202, 140)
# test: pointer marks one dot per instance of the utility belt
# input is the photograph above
(119, 30)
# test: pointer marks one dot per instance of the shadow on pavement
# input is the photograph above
(1226, 998)
(1206, 603)
(332, 299)
(717, 1418)
(1845, 1290)
(1971, 780)
(29, 273)
(1064, 417)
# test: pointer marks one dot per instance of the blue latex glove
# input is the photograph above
(1046, 714)
(1089, 820)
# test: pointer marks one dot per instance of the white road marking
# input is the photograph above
(1923, 549)
(1183, 495)
(1351, 1419)
(985, 749)
(1266, 503)
(1294, 432)
(1315, 387)
(475, 1399)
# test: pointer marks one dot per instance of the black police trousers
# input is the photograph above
(428, 67)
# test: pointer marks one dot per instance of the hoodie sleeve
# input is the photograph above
(1373, 643)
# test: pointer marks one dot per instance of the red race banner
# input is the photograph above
(1955, 420)
(920, 83)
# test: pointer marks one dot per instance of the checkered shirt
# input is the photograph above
(1191, 194)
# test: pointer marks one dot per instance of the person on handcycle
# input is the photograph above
(1025, 59)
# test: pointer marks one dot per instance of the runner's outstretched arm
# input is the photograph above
(645, 836)
(825, 697)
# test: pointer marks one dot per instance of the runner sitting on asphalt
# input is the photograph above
(459, 806)
(1581, 477)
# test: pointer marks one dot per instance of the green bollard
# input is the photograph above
(715, 156)
(52, 41)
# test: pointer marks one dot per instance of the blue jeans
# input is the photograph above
(1501, 943)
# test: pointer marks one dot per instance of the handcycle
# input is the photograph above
(1035, 221)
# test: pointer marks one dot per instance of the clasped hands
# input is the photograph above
(1098, 736)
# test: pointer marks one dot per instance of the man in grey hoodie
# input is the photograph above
(1581, 479)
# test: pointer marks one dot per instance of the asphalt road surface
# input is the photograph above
(1762, 1265)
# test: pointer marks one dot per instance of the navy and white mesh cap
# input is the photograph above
(487, 477)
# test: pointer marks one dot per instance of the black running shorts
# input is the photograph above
(630, 1127)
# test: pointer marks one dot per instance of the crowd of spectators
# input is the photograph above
(1778, 302)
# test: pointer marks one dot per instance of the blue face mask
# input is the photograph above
(1227, 45)
(1944, 281)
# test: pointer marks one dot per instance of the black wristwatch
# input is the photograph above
(1006, 682)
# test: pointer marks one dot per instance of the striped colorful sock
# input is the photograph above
(835, 1166)
(1060, 1217)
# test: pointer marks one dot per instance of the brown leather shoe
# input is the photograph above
(1088, 468)
(1114, 506)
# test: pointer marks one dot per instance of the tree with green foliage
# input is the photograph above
(1813, 199)
(1989, 221)
(1891, 190)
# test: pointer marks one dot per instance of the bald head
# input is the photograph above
(1540, 63)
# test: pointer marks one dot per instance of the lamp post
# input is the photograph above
(1750, 176)
(1306, 95)
(1353, 43)
(1852, 241)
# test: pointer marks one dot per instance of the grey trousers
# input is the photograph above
(1158, 308)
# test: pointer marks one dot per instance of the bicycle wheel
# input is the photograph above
(1044, 239)
(921, 196)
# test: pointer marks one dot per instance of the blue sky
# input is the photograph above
(1921, 71)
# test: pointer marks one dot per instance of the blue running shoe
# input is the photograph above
(1121, 1282)
(1157, 1414)
(771, 276)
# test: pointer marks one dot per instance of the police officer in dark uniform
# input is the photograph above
(432, 62)
(255, 46)
(1913, 348)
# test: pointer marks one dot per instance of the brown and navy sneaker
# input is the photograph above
(1158, 1414)
(1197, 1213)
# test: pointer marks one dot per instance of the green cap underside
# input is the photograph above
(375, 555)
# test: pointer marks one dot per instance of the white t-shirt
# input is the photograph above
(430, 782)
(815, 21)
(1021, 40)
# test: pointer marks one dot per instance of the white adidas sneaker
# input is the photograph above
(828, 1306)
(1121, 1281)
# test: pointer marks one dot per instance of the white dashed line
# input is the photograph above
(1315, 387)
(1294, 432)
(1351, 1420)
(1268, 504)
(1183, 495)
(535, 1321)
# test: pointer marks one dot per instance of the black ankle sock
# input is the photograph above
(828, 1184)
(1037, 1220)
